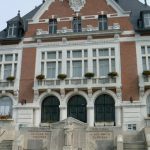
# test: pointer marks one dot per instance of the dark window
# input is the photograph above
(104, 109)
(53, 26)
(12, 30)
(77, 108)
(103, 22)
(50, 109)
(77, 24)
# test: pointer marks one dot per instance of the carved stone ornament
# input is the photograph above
(77, 5)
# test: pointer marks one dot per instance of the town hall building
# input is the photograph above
(76, 73)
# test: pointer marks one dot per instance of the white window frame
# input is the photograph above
(57, 60)
(98, 58)
(13, 63)
(12, 28)
(147, 20)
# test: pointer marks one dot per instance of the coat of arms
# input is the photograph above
(76, 5)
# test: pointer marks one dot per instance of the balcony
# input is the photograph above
(89, 30)
(7, 85)
(81, 83)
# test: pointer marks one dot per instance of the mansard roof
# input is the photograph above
(135, 6)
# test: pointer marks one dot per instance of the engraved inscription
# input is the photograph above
(101, 135)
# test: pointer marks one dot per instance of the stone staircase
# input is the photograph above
(134, 141)
(6, 145)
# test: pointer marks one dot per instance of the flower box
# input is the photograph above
(89, 75)
(4, 117)
(40, 77)
(146, 73)
(62, 76)
(10, 78)
(112, 74)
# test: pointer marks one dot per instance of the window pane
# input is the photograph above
(51, 55)
(85, 66)
(9, 57)
(68, 68)
(16, 57)
(103, 52)
(85, 53)
(143, 50)
(0, 71)
(5, 106)
(144, 63)
(43, 55)
(112, 52)
(77, 54)
(7, 70)
(60, 55)
(103, 67)
(68, 54)
(15, 70)
(94, 52)
(59, 67)
(52, 26)
(77, 68)
(103, 22)
(113, 65)
(1, 57)
(51, 69)
(148, 104)
(42, 68)
(148, 49)
(77, 24)
(94, 67)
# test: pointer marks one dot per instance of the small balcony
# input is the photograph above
(6, 85)
(81, 83)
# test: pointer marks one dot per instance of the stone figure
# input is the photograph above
(68, 133)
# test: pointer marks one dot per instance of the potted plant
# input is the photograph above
(10, 78)
(89, 75)
(4, 117)
(146, 73)
(112, 74)
(40, 77)
(62, 76)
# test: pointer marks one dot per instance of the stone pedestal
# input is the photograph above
(120, 142)
(67, 148)
(90, 116)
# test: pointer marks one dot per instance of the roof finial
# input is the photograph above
(43, 1)
(18, 12)
(146, 2)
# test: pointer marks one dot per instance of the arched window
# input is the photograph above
(77, 108)
(105, 110)
(6, 106)
(50, 109)
(148, 105)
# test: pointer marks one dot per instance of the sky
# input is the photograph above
(9, 9)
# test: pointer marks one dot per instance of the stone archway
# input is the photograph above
(50, 109)
(77, 108)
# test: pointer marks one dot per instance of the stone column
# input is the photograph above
(63, 112)
(90, 115)
(118, 115)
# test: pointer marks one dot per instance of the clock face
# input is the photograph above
(76, 5)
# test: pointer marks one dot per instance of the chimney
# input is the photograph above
(145, 2)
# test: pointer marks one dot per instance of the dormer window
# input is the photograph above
(53, 26)
(103, 25)
(147, 20)
(77, 24)
(12, 30)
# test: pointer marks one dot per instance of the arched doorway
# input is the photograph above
(105, 110)
(50, 109)
(77, 108)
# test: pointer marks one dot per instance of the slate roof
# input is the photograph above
(134, 6)
(25, 19)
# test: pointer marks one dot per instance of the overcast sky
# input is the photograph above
(9, 9)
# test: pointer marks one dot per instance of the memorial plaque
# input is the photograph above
(101, 135)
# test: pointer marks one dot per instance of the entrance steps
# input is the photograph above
(134, 141)
(6, 145)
